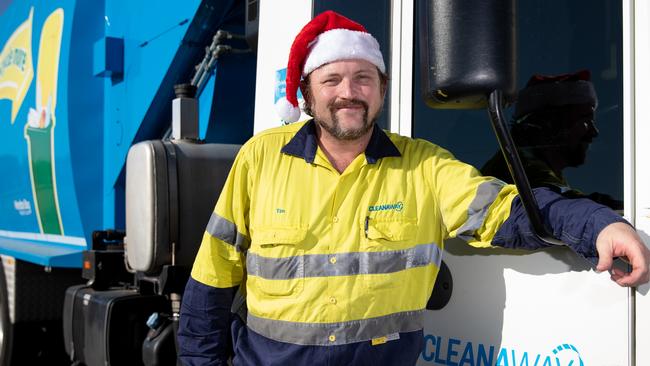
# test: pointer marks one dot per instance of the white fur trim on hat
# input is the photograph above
(287, 112)
(343, 44)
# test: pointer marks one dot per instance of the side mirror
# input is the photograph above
(468, 51)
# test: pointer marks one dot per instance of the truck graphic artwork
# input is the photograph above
(39, 130)
(16, 69)
(16, 74)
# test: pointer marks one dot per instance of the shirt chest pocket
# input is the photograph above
(275, 264)
(388, 250)
(390, 233)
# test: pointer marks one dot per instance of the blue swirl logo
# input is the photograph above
(568, 355)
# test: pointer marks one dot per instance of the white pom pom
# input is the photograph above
(287, 112)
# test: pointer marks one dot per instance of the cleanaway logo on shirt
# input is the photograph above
(399, 206)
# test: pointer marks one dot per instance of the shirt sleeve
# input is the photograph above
(219, 269)
(204, 325)
(575, 221)
(472, 207)
(484, 211)
(221, 256)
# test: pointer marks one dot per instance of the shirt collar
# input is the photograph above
(305, 143)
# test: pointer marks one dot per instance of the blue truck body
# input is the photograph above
(81, 82)
(118, 63)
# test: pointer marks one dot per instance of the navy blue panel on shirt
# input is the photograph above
(208, 332)
(575, 221)
(204, 326)
(252, 349)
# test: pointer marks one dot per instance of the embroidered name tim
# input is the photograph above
(399, 206)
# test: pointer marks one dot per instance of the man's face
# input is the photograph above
(580, 132)
(345, 97)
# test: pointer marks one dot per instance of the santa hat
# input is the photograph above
(544, 91)
(326, 38)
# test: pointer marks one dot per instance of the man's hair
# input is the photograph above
(305, 87)
(542, 124)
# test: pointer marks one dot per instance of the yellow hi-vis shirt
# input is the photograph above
(332, 258)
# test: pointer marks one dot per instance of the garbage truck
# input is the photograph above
(119, 121)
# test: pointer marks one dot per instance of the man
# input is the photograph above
(553, 128)
(334, 229)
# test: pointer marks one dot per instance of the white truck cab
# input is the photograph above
(540, 308)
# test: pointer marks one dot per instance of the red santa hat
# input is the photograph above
(326, 38)
(547, 91)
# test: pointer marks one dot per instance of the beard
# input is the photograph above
(334, 128)
(576, 155)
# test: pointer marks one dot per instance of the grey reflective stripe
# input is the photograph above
(331, 334)
(342, 264)
(225, 230)
(486, 193)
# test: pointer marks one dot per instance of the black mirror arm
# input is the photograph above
(511, 155)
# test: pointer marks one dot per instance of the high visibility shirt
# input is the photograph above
(348, 260)
(333, 258)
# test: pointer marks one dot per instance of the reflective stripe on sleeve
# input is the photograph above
(226, 231)
(345, 264)
(329, 334)
(486, 193)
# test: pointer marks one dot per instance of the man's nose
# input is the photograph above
(347, 89)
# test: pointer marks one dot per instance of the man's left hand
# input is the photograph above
(621, 240)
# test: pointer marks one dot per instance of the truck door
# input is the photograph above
(636, 38)
(548, 307)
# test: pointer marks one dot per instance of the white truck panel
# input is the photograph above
(524, 306)
(279, 24)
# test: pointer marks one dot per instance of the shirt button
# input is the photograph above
(333, 300)
(335, 219)
(332, 338)
(333, 260)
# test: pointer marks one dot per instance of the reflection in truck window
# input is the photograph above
(553, 126)
(585, 35)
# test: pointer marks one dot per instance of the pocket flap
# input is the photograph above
(279, 235)
(392, 230)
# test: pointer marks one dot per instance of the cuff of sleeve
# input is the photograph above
(600, 218)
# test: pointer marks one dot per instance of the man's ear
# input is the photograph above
(383, 84)
(306, 95)
(303, 87)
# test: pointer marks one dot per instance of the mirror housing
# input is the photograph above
(468, 51)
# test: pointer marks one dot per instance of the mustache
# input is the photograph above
(347, 104)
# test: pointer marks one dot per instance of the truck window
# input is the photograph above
(377, 22)
(553, 37)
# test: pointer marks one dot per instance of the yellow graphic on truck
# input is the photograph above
(39, 130)
(16, 69)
